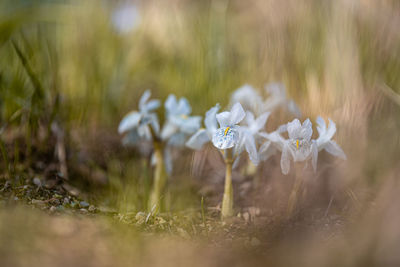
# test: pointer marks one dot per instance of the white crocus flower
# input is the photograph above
(227, 136)
(298, 147)
(179, 124)
(251, 99)
(255, 125)
(205, 135)
(137, 123)
(324, 141)
(231, 135)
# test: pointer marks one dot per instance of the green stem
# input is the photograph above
(227, 199)
(159, 177)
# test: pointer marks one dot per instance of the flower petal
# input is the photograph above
(251, 148)
(277, 140)
(210, 121)
(282, 128)
(152, 105)
(265, 147)
(237, 114)
(191, 124)
(293, 108)
(277, 96)
(226, 137)
(261, 121)
(198, 139)
(144, 132)
(334, 149)
(266, 150)
(248, 97)
(130, 121)
(306, 130)
(171, 104)
(250, 120)
(143, 99)
(321, 128)
(276, 90)
(168, 130)
(331, 129)
(177, 139)
(153, 121)
(236, 162)
(223, 118)
(131, 138)
(184, 107)
(294, 129)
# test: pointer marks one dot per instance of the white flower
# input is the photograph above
(298, 147)
(138, 123)
(227, 136)
(125, 18)
(299, 141)
(251, 99)
(203, 136)
(255, 125)
(324, 139)
(179, 124)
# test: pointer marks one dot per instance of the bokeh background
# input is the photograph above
(70, 71)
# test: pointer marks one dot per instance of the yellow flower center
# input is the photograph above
(297, 143)
(183, 116)
(226, 130)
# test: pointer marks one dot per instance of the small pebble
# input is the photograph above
(92, 208)
(66, 200)
(53, 209)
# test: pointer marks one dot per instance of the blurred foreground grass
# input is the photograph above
(67, 77)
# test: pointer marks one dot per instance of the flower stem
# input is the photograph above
(159, 177)
(227, 200)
